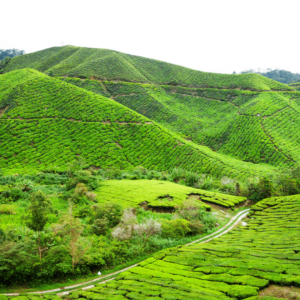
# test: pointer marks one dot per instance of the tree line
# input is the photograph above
(282, 76)
(10, 53)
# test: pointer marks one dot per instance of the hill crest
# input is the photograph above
(107, 64)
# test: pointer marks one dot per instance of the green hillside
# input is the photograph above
(227, 113)
(47, 122)
(237, 265)
(112, 65)
(257, 127)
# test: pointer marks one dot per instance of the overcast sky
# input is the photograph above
(212, 35)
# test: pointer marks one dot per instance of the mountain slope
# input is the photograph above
(47, 122)
(230, 114)
(259, 127)
(88, 62)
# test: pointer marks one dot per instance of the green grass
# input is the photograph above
(236, 265)
(159, 194)
(48, 122)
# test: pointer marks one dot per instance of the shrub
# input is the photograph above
(7, 209)
(190, 210)
(100, 226)
(175, 228)
(147, 229)
(113, 173)
(82, 211)
(15, 194)
(191, 178)
(85, 177)
(259, 189)
(196, 227)
(125, 229)
(122, 233)
(111, 211)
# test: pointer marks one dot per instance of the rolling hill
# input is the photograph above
(112, 65)
(248, 117)
(47, 122)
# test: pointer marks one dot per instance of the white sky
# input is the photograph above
(208, 35)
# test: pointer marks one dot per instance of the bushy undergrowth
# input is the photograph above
(65, 233)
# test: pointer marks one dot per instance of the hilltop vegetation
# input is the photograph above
(112, 65)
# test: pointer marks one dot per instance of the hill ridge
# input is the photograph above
(157, 71)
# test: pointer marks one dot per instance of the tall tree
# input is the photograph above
(38, 216)
(70, 228)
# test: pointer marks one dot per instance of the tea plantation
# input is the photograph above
(242, 124)
(241, 116)
(236, 266)
(107, 158)
(159, 194)
(47, 122)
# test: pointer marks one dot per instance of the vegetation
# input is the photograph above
(112, 65)
(47, 123)
(10, 53)
(53, 231)
(107, 158)
(236, 266)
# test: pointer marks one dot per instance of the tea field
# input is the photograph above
(239, 116)
(236, 266)
(231, 122)
(46, 122)
(130, 156)
(160, 194)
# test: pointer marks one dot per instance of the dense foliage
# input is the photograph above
(53, 231)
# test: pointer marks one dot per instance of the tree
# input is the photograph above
(10, 53)
(70, 228)
(37, 217)
(51, 73)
